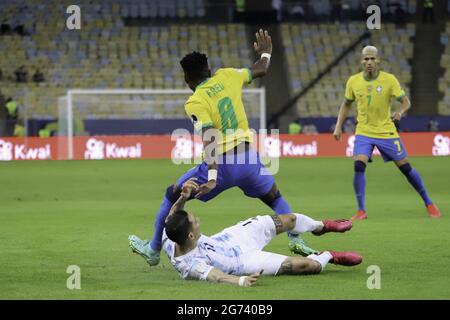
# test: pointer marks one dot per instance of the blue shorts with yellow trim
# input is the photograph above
(390, 149)
(244, 171)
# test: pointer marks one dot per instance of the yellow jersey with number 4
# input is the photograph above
(217, 103)
(373, 105)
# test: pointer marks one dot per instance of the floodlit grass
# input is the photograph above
(56, 214)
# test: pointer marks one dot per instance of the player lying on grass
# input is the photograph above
(216, 105)
(236, 254)
(372, 90)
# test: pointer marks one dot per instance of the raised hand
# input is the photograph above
(263, 42)
(188, 187)
(205, 188)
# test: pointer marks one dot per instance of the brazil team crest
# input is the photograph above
(379, 89)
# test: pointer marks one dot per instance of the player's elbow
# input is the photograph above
(347, 104)
(263, 72)
(408, 103)
(259, 72)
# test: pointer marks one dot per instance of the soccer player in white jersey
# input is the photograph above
(236, 255)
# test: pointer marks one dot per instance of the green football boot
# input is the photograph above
(298, 245)
(142, 248)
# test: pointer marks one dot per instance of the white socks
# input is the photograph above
(322, 258)
(306, 224)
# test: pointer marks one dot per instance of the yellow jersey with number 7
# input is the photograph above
(373, 103)
(217, 103)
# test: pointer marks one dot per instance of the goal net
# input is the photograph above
(135, 112)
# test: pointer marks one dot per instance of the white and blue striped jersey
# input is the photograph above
(236, 250)
(220, 251)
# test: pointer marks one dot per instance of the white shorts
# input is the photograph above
(252, 235)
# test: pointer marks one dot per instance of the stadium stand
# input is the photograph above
(331, 10)
(111, 53)
(162, 9)
(311, 47)
(108, 53)
(444, 81)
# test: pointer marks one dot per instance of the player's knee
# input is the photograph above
(287, 221)
(173, 193)
(310, 266)
(314, 267)
(306, 266)
(405, 168)
(270, 197)
(360, 166)
(290, 220)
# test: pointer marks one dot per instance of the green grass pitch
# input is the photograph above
(56, 214)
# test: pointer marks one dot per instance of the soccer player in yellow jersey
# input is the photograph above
(372, 90)
(216, 105)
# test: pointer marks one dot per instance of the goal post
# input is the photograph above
(139, 104)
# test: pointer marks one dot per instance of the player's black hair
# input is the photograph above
(178, 227)
(195, 65)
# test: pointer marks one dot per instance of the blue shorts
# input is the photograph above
(390, 149)
(243, 170)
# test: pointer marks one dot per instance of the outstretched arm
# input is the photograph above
(263, 47)
(178, 205)
(185, 194)
(216, 275)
